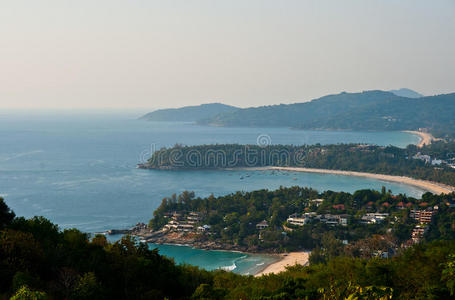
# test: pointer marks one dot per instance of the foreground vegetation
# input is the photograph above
(37, 261)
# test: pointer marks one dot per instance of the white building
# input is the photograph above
(317, 202)
(262, 225)
(373, 218)
(298, 220)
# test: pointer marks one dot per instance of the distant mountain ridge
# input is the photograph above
(369, 110)
(189, 113)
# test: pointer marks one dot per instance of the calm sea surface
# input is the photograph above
(79, 171)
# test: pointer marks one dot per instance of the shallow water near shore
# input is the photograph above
(80, 170)
(237, 262)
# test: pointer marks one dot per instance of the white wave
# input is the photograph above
(260, 264)
(3, 195)
(19, 155)
(229, 268)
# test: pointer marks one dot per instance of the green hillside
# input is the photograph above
(370, 110)
(189, 113)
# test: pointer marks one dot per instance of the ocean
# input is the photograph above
(79, 170)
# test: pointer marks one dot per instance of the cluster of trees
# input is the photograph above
(351, 157)
(233, 217)
(38, 261)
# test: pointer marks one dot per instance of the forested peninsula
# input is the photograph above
(435, 162)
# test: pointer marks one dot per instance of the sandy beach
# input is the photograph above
(430, 186)
(287, 259)
(425, 138)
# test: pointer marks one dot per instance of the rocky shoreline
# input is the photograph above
(195, 240)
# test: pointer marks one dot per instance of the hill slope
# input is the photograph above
(189, 113)
(370, 110)
(406, 93)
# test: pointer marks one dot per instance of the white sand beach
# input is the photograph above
(430, 186)
(287, 259)
(425, 137)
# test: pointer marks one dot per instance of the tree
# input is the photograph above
(6, 214)
(25, 293)
(86, 287)
(448, 274)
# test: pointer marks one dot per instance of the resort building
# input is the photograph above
(333, 220)
(172, 225)
(338, 206)
(262, 225)
(425, 158)
(317, 202)
(185, 227)
(373, 218)
(193, 217)
(422, 216)
(418, 233)
(298, 220)
(203, 228)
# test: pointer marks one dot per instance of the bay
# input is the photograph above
(79, 170)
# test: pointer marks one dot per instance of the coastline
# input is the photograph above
(425, 137)
(286, 260)
(278, 264)
(430, 186)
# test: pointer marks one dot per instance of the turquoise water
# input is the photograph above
(237, 262)
(79, 170)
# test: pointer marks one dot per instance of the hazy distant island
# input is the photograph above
(401, 109)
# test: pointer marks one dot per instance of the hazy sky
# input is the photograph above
(132, 53)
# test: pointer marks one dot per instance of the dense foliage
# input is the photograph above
(353, 157)
(36, 256)
(233, 217)
(370, 110)
(37, 261)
